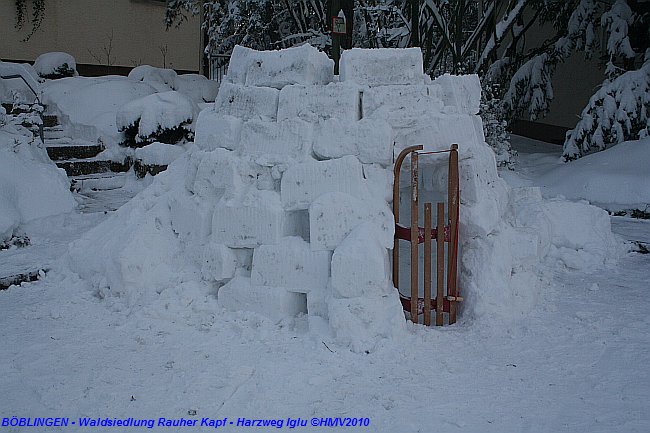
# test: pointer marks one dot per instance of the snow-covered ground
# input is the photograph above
(578, 362)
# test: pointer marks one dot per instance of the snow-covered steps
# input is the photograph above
(78, 167)
(53, 132)
(64, 148)
(98, 182)
(50, 120)
(28, 276)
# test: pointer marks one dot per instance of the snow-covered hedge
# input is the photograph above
(619, 111)
(55, 65)
(165, 117)
(198, 88)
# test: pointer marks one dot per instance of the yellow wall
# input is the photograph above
(84, 29)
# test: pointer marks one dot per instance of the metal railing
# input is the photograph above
(218, 66)
(38, 100)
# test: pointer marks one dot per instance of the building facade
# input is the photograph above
(104, 36)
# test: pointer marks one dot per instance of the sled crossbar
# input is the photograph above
(445, 231)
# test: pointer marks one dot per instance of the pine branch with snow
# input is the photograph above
(619, 111)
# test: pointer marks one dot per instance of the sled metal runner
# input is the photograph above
(447, 295)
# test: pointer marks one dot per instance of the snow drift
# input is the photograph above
(281, 212)
(31, 186)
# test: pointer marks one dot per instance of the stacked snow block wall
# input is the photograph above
(283, 204)
(303, 223)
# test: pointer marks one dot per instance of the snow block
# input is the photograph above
(314, 103)
(360, 265)
(190, 221)
(219, 172)
(291, 264)
(382, 66)
(460, 91)
(334, 215)
(525, 246)
(370, 140)
(250, 221)
(280, 140)
(247, 102)
(362, 323)
(240, 59)
(379, 181)
(303, 183)
(438, 132)
(215, 130)
(296, 65)
(218, 262)
(276, 303)
(401, 101)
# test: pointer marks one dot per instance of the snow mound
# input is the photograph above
(31, 186)
(158, 153)
(613, 178)
(55, 65)
(285, 217)
(152, 115)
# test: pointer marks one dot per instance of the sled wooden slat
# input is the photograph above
(427, 264)
(414, 235)
(453, 203)
(440, 262)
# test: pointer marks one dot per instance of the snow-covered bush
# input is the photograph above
(495, 125)
(196, 87)
(88, 106)
(161, 79)
(55, 65)
(619, 111)
(166, 117)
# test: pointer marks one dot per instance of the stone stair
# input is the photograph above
(76, 157)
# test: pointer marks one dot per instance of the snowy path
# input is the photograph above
(578, 363)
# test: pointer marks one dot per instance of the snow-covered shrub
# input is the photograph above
(619, 111)
(154, 158)
(196, 87)
(55, 65)
(495, 125)
(161, 79)
(166, 117)
(88, 106)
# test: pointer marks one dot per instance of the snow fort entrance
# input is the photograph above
(283, 205)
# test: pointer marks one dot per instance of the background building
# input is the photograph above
(104, 36)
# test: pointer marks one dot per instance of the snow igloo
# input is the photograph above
(282, 206)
